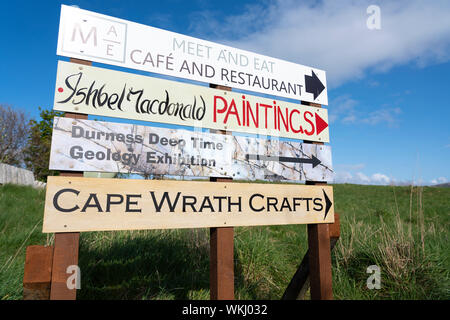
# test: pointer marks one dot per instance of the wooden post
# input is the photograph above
(37, 274)
(319, 252)
(65, 251)
(299, 283)
(320, 262)
(65, 254)
(335, 230)
(221, 263)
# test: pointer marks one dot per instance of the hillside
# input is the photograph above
(443, 185)
(403, 230)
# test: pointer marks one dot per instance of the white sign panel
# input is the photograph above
(100, 38)
(86, 145)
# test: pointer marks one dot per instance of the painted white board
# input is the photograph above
(86, 145)
(96, 37)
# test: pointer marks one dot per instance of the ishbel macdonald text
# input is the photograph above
(97, 96)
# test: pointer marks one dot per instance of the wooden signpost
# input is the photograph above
(65, 247)
(86, 145)
(110, 93)
(77, 204)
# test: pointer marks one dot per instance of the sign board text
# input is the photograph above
(90, 204)
(96, 91)
(95, 37)
(86, 145)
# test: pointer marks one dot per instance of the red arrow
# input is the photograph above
(320, 124)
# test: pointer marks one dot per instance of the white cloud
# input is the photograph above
(348, 111)
(439, 180)
(351, 118)
(351, 173)
(380, 178)
(333, 36)
(373, 83)
(351, 167)
(361, 178)
(343, 109)
(343, 177)
(387, 115)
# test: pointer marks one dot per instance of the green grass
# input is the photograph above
(403, 230)
(21, 213)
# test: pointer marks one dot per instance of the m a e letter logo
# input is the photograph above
(94, 37)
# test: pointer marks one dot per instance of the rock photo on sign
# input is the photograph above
(97, 146)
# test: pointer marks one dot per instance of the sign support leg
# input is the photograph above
(221, 260)
(37, 276)
(320, 262)
(66, 245)
(65, 254)
(222, 263)
(299, 284)
(319, 252)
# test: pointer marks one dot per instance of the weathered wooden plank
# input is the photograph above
(320, 262)
(221, 252)
(103, 92)
(335, 227)
(90, 204)
(65, 254)
(66, 245)
(319, 252)
(221, 263)
(37, 274)
(85, 145)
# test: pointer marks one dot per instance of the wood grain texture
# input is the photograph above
(320, 262)
(335, 227)
(221, 261)
(65, 254)
(66, 245)
(300, 282)
(81, 204)
(319, 251)
(37, 273)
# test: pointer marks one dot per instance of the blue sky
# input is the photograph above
(388, 89)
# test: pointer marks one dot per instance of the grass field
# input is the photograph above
(403, 230)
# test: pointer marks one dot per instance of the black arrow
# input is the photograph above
(314, 161)
(328, 204)
(313, 85)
